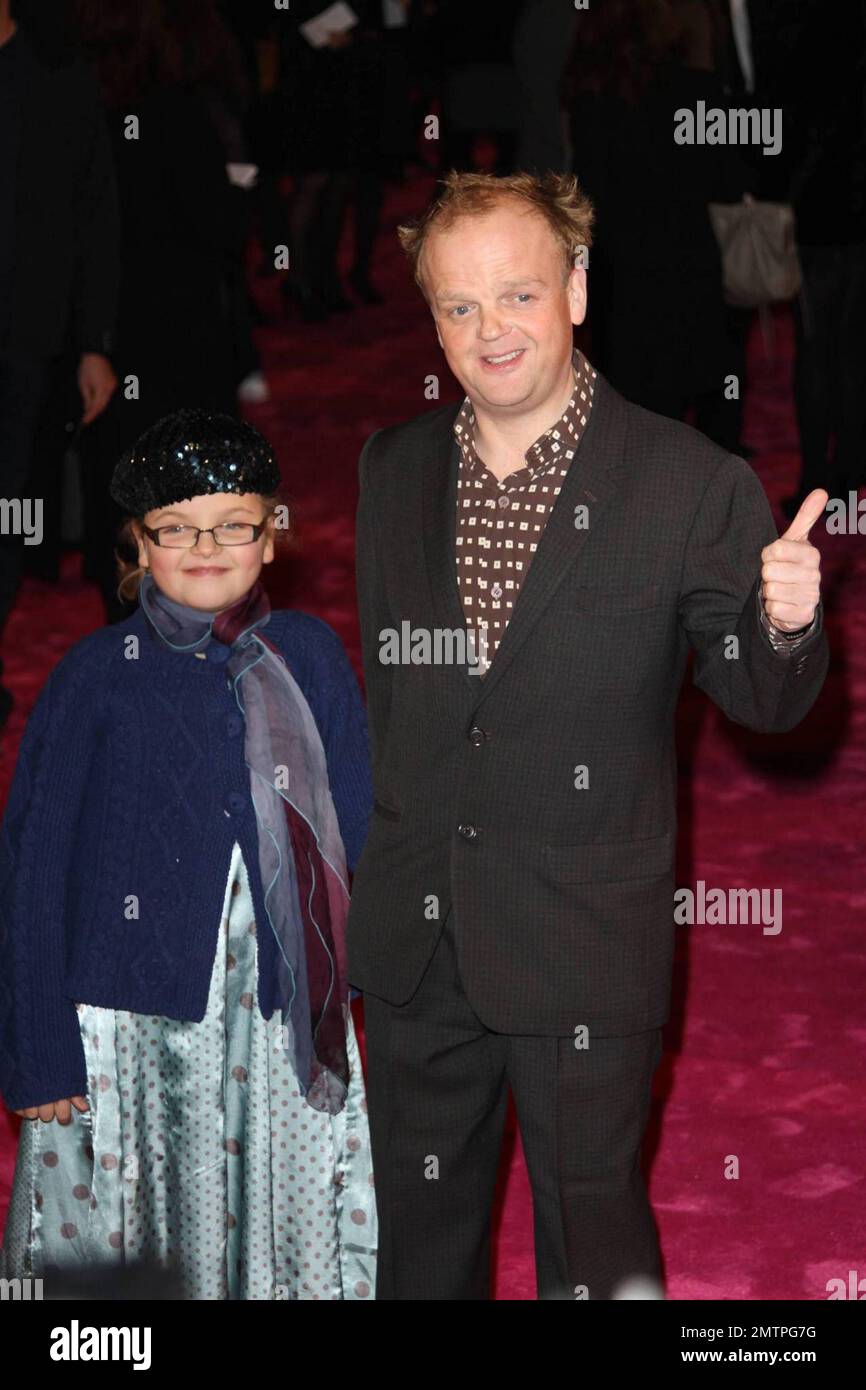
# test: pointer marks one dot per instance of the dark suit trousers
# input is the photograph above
(437, 1091)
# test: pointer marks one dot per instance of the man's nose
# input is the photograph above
(492, 323)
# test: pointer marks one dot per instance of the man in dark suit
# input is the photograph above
(512, 912)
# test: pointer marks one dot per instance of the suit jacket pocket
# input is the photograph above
(387, 812)
(606, 600)
(610, 860)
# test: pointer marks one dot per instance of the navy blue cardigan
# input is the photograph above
(129, 792)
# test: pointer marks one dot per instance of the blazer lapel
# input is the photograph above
(440, 533)
(591, 481)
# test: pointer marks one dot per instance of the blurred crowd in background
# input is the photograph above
(124, 256)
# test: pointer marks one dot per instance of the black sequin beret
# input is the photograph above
(191, 452)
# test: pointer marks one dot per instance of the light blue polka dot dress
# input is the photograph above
(199, 1154)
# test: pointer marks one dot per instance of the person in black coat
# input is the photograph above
(58, 248)
(339, 142)
(658, 315)
(174, 333)
(826, 82)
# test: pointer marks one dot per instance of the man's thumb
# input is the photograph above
(813, 507)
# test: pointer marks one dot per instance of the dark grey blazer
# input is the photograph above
(563, 897)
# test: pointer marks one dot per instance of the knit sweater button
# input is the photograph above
(236, 802)
(218, 653)
(234, 724)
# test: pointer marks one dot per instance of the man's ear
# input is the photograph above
(577, 295)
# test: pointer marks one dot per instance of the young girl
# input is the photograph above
(174, 1022)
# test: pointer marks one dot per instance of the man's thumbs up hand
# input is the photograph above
(791, 569)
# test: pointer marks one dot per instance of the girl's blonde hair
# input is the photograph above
(130, 572)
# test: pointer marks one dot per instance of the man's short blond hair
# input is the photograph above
(556, 197)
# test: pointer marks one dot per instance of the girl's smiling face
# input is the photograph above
(208, 576)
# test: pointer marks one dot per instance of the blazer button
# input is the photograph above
(476, 736)
(467, 831)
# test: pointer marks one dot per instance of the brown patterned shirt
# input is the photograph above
(499, 524)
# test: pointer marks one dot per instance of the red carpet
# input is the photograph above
(766, 1050)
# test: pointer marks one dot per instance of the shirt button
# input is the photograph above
(467, 831)
(476, 736)
(217, 652)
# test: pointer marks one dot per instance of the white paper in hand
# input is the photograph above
(242, 175)
(335, 19)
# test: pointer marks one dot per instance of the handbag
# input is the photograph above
(760, 265)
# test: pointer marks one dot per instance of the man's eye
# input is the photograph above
(455, 312)
(524, 295)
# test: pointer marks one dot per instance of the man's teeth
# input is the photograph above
(505, 356)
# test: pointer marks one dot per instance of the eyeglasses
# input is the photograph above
(185, 537)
